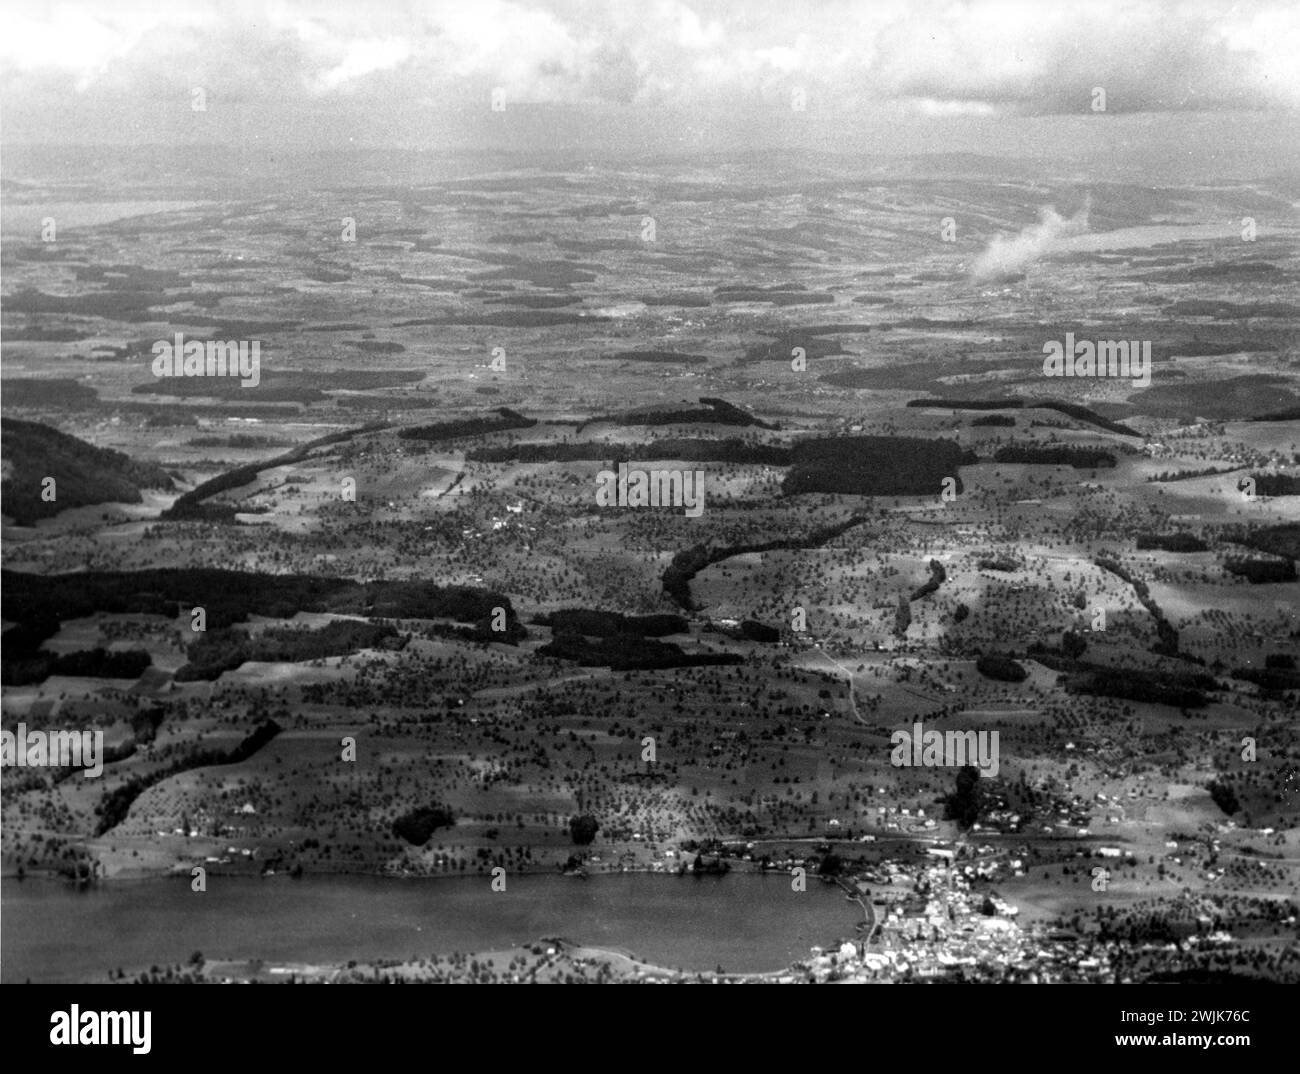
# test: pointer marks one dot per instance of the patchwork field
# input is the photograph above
(376, 530)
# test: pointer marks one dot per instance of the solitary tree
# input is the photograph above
(1073, 644)
(902, 617)
(583, 829)
(965, 803)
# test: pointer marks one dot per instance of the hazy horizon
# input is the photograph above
(1186, 89)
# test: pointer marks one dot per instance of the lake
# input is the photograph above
(23, 220)
(744, 922)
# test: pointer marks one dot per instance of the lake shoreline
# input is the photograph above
(183, 872)
(740, 921)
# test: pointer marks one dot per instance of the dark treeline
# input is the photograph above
(969, 404)
(1181, 689)
(1167, 643)
(1188, 475)
(628, 652)
(451, 430)
(599, 624)
(221, 650)
(1072, 410)
(1171, 542)
(712, 411)
(229, 597)
(937, 577)
(114, 806)
(864, 466)
(1287, 414)
(27, 636)
(1270, 679)
(1001, 668)
(1260, 571)
(1078, 457)
(753, 630)
(1277, 484)
(1280, 540)
(187, 506)
(875, 466)
(687, 564)
(485, 630)
(99, 663)
(688, 449)
(82, 473)
(417, 825)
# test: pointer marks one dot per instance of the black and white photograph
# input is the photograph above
(650, 492)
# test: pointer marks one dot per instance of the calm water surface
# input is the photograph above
(745, 923)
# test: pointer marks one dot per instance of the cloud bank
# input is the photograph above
(939, 58)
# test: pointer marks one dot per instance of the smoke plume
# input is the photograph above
(1005, 257)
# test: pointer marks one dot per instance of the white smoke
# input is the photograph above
(1005, 256)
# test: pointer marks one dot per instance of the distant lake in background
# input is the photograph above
(747, 923)
(23, 221)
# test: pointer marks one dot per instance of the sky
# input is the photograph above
(654, 75)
